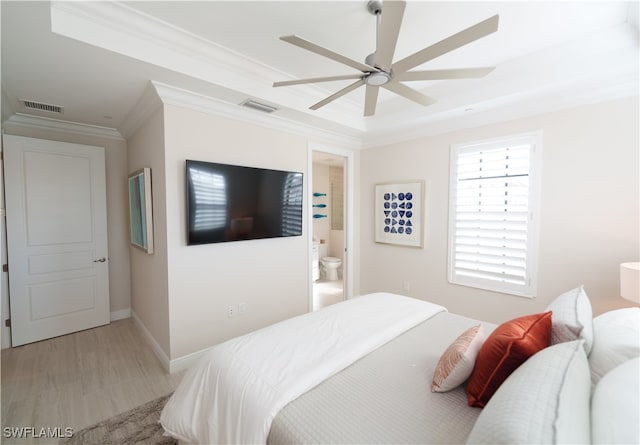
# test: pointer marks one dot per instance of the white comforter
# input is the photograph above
(233, 395)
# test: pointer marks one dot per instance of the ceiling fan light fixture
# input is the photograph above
(377, 79)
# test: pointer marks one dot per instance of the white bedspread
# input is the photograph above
(233, 395)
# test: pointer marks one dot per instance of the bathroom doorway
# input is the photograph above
(329, 257)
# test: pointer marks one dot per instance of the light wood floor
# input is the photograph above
(79, 379)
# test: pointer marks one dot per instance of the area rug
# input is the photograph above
(137, 426)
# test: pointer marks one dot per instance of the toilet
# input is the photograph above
(331, 265)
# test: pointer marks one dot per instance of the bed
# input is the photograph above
(385, 397)
(363, 371)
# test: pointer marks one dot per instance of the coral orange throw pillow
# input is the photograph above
(508, 346)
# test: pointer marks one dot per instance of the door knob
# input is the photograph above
(100, 260)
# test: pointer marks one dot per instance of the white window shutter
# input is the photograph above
(492, 237)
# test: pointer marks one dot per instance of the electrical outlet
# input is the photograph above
(406, 286)
(242, 308)
(230, 311)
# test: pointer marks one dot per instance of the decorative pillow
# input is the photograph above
(572, 318)
(546, 400)
(457, 361)
(616, 339)
(508, 346)
(615, 405)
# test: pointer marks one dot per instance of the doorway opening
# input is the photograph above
(328, 228)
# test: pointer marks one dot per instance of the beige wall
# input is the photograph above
(149, 275)
(589, 211)
(270, 276)
(117, 203)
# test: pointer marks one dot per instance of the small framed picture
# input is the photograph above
(140, 210)
(399, 213)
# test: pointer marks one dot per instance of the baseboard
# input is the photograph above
(171, 366)
(157, 349)
(186, 361)
(121, 314)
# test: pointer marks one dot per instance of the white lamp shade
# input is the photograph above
(630, 281)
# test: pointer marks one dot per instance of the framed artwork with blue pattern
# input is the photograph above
(399, 213)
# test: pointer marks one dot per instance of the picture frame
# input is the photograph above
(399, 213)
(140, 210)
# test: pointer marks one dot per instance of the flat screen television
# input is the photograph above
(232, 203)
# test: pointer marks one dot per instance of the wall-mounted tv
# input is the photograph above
(232, 203)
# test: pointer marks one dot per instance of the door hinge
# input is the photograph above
(7, 322)
(5, 268)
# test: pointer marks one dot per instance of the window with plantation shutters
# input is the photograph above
(493, 214)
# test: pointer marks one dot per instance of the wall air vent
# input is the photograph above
(39, 106)
(258, 106)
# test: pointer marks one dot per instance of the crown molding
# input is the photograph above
(170, 95)
(148, 103)
(125, 30)
(137, 27)
(44, 123)
(519, 105)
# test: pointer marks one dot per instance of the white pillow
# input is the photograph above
(615, 405)
(572, 318)
(457, 362)
(616, 340)
(545, 400)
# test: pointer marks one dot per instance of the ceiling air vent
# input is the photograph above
(38, 106)
(258, 106)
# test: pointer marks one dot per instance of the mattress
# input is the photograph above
(385, 397)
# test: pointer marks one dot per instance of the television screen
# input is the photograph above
(232, 203)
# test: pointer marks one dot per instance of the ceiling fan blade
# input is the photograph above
(370, 100)
(340, 93)
(309, 46)
(409, 93)
(390, 21)
(458, 73)
(316, 80)
(455, 41)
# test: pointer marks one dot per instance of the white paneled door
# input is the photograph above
(56, 237)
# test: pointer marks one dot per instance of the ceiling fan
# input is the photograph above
(378, 70)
